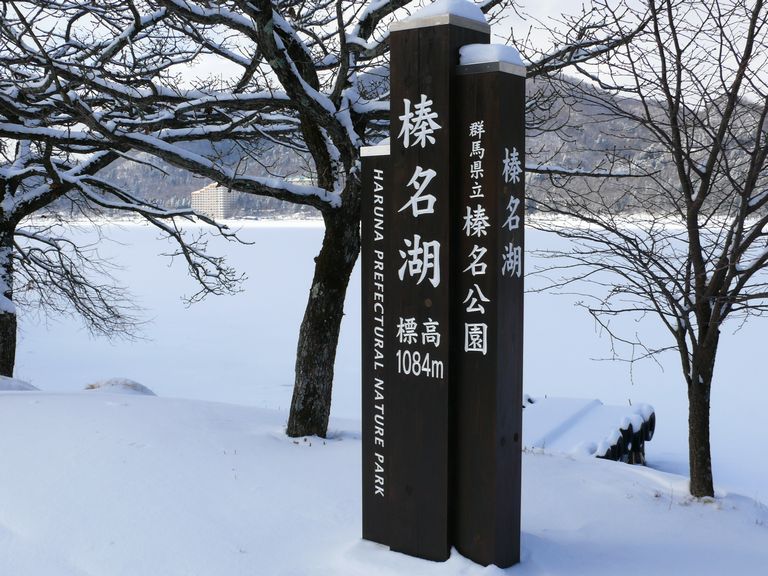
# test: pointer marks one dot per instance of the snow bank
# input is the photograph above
(120, 386)
(12, 384)
(485, 53)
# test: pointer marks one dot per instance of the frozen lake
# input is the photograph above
(240, 349)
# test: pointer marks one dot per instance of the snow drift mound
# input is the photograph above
(165, 487)
(120, 386)
(15, 385)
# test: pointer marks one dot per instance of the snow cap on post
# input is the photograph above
(491, 58)
(380, 149)
(457, 12)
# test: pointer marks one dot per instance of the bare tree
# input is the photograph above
(688, 242)
(45, 162)
(310, 78)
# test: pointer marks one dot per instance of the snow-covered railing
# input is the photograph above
(588, 427)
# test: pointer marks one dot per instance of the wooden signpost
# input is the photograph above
(442, 232)
(488, 316)
(423, 59)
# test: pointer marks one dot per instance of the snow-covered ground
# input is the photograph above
(114, 485)
(117, 484)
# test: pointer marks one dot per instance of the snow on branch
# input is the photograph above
(554, 170)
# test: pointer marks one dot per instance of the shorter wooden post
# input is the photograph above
(488, 300)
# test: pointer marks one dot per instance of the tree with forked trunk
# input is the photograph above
(308, 77)
(686, 242)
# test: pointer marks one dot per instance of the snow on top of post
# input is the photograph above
(492, 56)
(463, 8)
(484, 53)
(380, 149)
(458, 12)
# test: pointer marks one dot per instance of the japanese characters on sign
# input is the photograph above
(420, 124)
(411, 361)
(512, 259)
(476, 225)
(420, 256)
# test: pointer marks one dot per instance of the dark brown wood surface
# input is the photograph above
(373, 265)
(423, 62)
(489, 302)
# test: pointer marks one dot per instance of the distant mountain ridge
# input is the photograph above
(170, 187)
(582, 144)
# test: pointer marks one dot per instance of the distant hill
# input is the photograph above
(581, 141)
(168, 186)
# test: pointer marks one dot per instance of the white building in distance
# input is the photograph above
(214, 200)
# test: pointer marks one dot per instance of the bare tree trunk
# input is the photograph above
(7, 343)
(699, 454)
(699, 389)
(319, 335)
(7, 309)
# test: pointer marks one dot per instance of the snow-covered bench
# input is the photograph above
(588, 427)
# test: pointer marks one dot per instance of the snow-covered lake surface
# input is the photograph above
(95, 483)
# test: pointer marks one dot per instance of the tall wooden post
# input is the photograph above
(442, 265)
(488, 323)
(423, 59)
(376, 174)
